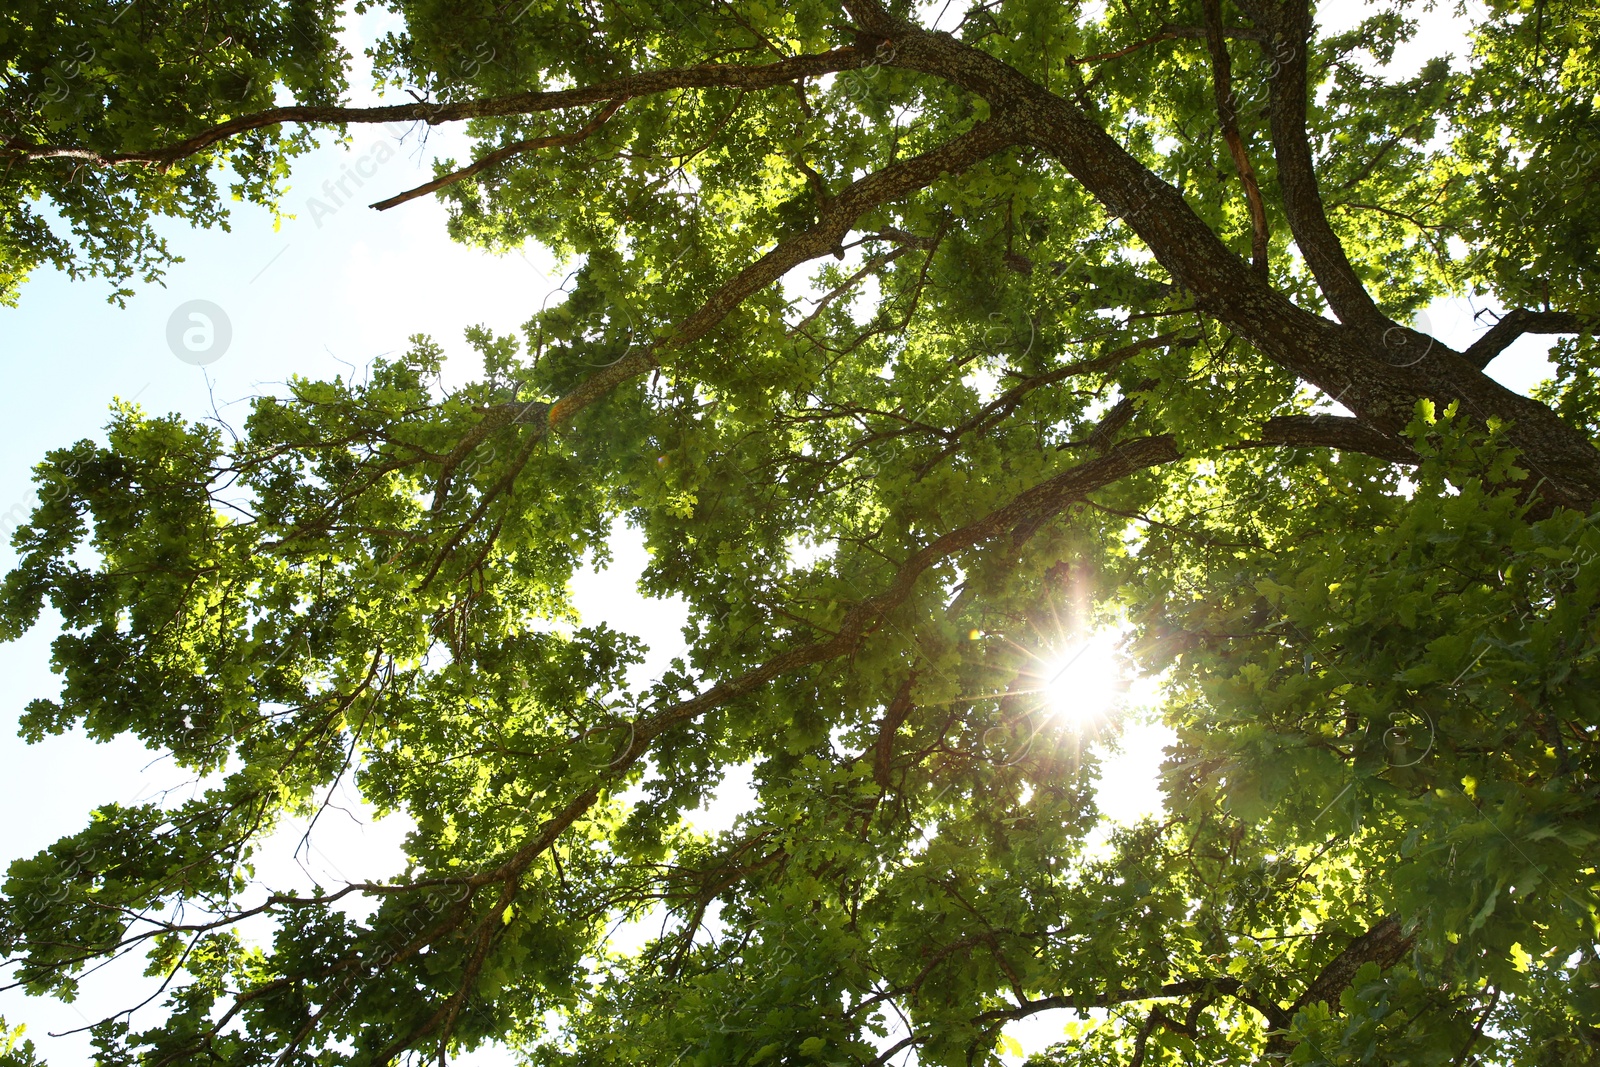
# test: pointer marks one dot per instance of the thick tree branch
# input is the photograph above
(1333, 431)
(1227, 117)
(1517, 322)
(875, 20)
(1383, 944)
(1288, 92)
(894, 716)
(705, 76)
(1375, 375)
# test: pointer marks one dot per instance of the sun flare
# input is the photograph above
(1082, 685)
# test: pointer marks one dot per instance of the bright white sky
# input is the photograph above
(317, 298)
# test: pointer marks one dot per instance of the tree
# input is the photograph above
(1094, 281)
(86, 79)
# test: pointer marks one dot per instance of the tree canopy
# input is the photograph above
(917, 358)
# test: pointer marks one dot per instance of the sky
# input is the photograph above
(336, 287)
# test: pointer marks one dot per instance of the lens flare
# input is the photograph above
(1082, 685)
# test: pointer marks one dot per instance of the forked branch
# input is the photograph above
(1517, 322)
(1227, 117)
(1288, 91)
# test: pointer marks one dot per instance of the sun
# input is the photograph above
(1083, 684)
